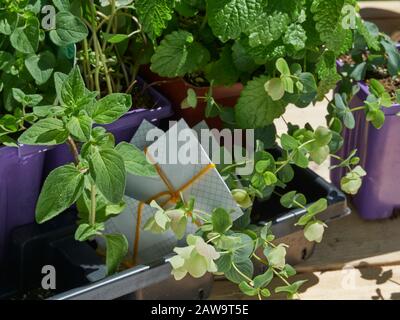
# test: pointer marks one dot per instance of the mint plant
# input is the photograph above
(283, 53)
(95, 182)
(29, 56)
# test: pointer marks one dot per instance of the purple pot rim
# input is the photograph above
(161, 103)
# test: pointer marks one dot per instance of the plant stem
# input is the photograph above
(357, 109)
(241, 273)
(92, 217)
(74, 149)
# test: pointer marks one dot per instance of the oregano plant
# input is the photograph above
(30, 54)
(95, 182)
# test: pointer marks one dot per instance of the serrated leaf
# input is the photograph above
(230, 18)
(255, 108)
(178, 54)
(61, 189)
(154, 15)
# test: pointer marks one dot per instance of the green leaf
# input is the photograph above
(108, 171)
(26, 39)
(135, 160)
(275, 88)
(317, 207)
(291, 289)
(221, 220)
(62, 5)
(352, 182)
(300, 159)
(293, 199)
(314, 231)
(86, 231)
(61, 189)
(288, 142)
(8, 22)
(282, 67)
(242, 59)
(115, 38)
(45, 132)
(26, 99)
(178, 54)
(80, 127)
(286, 174)
(328, 18)
(243, 249)
(322, 136)
(255, 108)
(111, 108)
(270, 178)
(192, 98)
(154, 15)
(393, 56)
(312, 211)
(246, 267)
(73, 89)
(41, 66)
(222, 71)
(224, 263)
(228, 19)
(295, 37)
(264, 279)
(276, 256)
(69, 29)
(247, 289)
(117, 249)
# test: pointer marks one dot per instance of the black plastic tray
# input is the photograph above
(39, 245)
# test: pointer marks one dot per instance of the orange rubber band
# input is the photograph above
(174, 196)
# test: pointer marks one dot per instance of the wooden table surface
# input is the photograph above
(356, 260)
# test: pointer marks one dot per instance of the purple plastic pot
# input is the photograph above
(379, 151)
(20, 182)
(122, 129)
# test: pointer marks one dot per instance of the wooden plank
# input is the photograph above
(353, 284)
(353, 241)
(393, 6)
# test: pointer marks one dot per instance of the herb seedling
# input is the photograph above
(29, 56)
(95, 182)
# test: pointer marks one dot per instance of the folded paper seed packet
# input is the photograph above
(184, 170)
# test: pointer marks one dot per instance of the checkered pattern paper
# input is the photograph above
(209, 191)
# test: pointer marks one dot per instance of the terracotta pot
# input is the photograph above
(176, 91)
